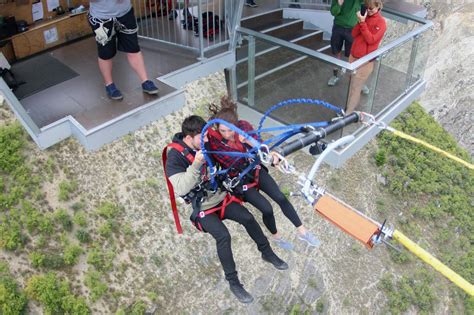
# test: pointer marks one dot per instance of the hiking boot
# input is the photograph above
(113, 92)
(149, 87)
(365, 90)
(309, 238)
(251, 3)
(275, 261)
(282, 243)
(240, 293)
(333, 80)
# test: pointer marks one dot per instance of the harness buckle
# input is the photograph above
(202, 214)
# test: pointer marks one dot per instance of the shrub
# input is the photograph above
(138, 308)
(71, 254)
(101, 260)
(105, 230)
(83, 236)
(12, 301)
(55, 295)
(380, 157)
(95, 285)
(62, 217)
(80, 219)
(53, 261)
(37, 259)
(10, 234)
(108, 210)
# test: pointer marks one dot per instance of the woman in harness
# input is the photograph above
(224, 139)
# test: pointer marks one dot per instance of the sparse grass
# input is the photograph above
(66, 190)
(93, 280)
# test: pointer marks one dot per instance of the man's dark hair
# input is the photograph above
(192, 125)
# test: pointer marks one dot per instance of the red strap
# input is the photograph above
(171, 190)
(178, 147)
(227, 200)
(256, 182)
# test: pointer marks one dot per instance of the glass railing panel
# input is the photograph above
(291, 75)
(423, 42)
(392, 76)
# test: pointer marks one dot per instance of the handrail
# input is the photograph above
(340, 63)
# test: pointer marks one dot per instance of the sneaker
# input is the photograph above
(295, 6)
(333, 80)
(172, 15)
(275, 261)
(309, 238)
(113, 92)
(251, 3)
(149, 87)
(282, 243)
(365, 90)
(240, 293)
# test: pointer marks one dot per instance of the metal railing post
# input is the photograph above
(411, 64)
(251, 72)
(200, 30)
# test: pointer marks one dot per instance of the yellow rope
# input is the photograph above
(435, 263)
(436, 149)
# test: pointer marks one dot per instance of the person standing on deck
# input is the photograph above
(113, 22)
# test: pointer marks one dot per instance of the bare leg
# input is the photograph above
(354, 93)
(138, 65)
(105, 67)
(357, 82)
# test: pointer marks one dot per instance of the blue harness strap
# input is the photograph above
(254, 153)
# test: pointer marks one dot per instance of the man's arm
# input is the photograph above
(184, 179)
(336, 7)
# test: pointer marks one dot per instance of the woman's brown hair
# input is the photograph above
(227, 110)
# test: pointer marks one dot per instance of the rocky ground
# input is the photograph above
(450, 92)
(339, 277)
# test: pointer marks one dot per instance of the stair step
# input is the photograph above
(262, 47)
(295, 30)
(255, 21)
(277, 56)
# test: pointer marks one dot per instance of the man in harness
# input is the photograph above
(186, 170)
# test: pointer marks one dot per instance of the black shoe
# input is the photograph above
(251, 3)
(240, 293)
(172, 15)
(275, 261)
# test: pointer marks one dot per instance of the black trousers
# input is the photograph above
(214, 226)
(269, 186)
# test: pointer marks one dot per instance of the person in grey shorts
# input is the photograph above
(113, 22)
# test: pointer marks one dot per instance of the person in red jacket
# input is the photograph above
(367, 34)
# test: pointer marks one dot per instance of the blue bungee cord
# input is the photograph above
(256, 147)
(293, 101)
(255, 153)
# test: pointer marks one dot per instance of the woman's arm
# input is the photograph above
(374, 34)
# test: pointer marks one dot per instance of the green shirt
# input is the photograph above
(345, 15)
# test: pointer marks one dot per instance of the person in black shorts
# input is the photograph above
(345, 17)
(115, 27)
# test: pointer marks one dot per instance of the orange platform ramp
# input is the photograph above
(347, 219)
